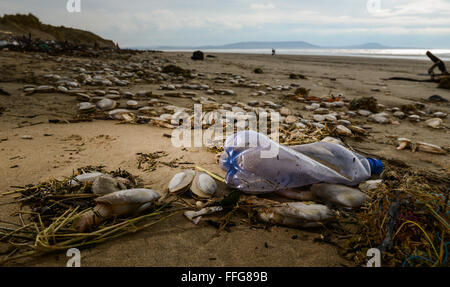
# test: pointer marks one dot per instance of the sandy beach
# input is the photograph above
(56, 150)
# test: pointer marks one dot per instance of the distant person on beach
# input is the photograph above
(273, 52)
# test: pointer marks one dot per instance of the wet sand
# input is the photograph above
(55, 150)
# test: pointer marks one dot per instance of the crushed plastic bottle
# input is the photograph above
(255, 164)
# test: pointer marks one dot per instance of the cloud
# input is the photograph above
(154, 22)
(257, 6)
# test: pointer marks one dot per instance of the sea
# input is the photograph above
(415, 54)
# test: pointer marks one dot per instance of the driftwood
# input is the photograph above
(437, 63)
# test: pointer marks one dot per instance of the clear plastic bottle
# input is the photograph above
(255, 164)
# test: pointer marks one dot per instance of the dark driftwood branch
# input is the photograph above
(437, 63)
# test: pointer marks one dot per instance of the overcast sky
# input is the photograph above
(405, 23)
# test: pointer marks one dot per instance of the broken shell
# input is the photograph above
(340, 195)
(297, 214)
(124, 202)
(105, 184)
(403, 143)
(430, 148)
(195, 216)
(181, 181)
(203, 185)
(370, 185)
(434, 123)
(343, 131)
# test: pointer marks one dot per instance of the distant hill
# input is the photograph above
(365, 46)
(20, 24)
(268, 45)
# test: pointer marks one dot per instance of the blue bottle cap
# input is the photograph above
(376, 166)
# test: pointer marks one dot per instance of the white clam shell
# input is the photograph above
(181, 181)
(204, 185)
(85, 178)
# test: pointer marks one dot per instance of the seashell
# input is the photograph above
(203, 185)
(357, 130)
(195, 216)
(378, 118)
(83, 97)
(332, 140)
(181, 181)
(370, 185)
(124, 202)
(434, 123)
(439, 115)
(112, 96)
(343, 131)
(105, 184)
(364, 113)
(297, 214)
(330, 117)
(429, 148)
(340, 195)
(89, 177)
(131, 104)
(106, 104)
(414, 118)
(399, 114)
(321, 111)
(85, 106)
(291, 119)
(44, 89)
(285, 111)
(117, 114)
(403, 143)
(318, 118)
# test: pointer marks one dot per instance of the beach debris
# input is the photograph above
(198, 56)
(404, 143)
(297, 214)
(181, 181)
(340, 195)
(343, 131)
(258, 71)
(444, 83)
(105, 184)
(380, 118)
(365, 103)
(440, 115)
(195, 216)
(119, 203)
(27, 137)
(429, 148)
(203, 185)
(370, 185)
(85, 106)
(106, 104)
(437, 63)
(437, 99)
(434, 123)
